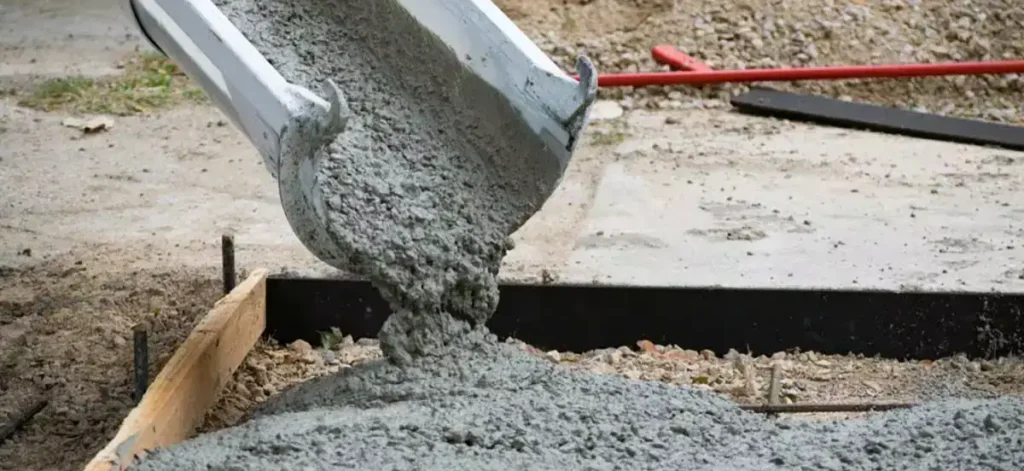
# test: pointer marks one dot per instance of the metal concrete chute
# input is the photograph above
(288, 123)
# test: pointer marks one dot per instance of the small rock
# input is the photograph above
(312, 358)
(367, 342)
(604, 110)
(262, 378)
(647, 346)
(554, 356)
(707, 354)
(91, 126)
(992, 424)
(779, 356)
(301, 347)
(97, 124)
(689, 355)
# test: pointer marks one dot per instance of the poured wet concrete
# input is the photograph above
(489, 406)
(432, 173)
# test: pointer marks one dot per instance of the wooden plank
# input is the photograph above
(177, 401)
(767, 102)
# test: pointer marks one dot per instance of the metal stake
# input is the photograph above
(227, 257)
(140, 361)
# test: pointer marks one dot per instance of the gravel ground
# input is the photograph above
(618, 35)
(807, 377)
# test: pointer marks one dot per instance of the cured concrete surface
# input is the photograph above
(801, 206)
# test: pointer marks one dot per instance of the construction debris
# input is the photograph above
(90, 126)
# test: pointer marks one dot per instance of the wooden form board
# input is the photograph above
(177, 401)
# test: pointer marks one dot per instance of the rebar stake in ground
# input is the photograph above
(140, 361)
(227, 261)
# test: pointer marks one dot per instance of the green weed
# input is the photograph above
(150, 82)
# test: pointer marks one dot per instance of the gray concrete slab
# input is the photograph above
(724, 199)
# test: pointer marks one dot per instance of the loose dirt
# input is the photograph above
(65, 333)
(618, 35)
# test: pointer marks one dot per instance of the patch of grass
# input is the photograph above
(194, 94)
(612, 133)
(610, 138)
(150, 82)
(328, 340)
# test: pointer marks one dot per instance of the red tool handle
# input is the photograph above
(693, 72)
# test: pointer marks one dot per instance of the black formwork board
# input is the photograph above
(799, 107)
(763, 321)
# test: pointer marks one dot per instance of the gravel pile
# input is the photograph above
(618, 35)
